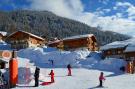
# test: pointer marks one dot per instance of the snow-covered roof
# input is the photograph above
(3, 33)
(27, 33)
(118, 44)
(52, 42)
(130, 41)
(113, 45)
(78, 36)
(130, 48)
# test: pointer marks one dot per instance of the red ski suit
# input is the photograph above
(101, 77)
(52, 76)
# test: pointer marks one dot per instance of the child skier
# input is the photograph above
(101, 78)
(69, 70)
(52, 79)
(52, 76)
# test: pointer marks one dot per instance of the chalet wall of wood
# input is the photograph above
(3, 35)
(22, 39)
(129, 55)
(130, 52)
(114, 53)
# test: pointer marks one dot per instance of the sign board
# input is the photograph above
(6, 54)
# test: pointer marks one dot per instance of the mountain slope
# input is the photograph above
(47, 24)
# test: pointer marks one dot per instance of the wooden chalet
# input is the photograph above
(22, 39)
(87, 41)
(2, 35)
(114, 50)
(124, 50)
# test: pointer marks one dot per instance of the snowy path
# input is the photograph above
(85, 79)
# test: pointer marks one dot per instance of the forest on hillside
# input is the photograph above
(49, 25)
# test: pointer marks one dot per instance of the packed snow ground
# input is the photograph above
(83, 79)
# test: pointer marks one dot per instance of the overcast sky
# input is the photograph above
(113, 15)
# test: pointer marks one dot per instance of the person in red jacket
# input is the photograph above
(69, 70)
(101, 78)
(52, 76)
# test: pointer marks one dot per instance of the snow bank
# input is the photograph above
(60, 58)
(79, 58)
(110, 64)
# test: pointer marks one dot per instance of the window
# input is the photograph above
(108, 52)
(128, 58)
(132, 58)
(11, 41)
(113, 52)
(66, 47)
(16, 41)
(119, 51)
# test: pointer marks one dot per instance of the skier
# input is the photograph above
(36, 75)
(69, 70)
(52, 76)
(52, 62)
(101, 78)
